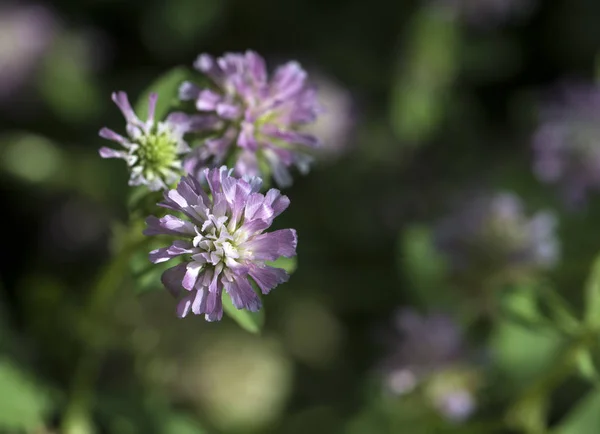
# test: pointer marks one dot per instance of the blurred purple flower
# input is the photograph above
(492, 234)
(223, 241)
(335, 125)
(429, 352)
(152, 148)
(26, 31)
(565, 146)
(258, 121)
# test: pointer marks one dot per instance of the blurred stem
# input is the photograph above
(529, 411)
(76, 419)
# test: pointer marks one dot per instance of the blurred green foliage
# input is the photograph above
(467, 95)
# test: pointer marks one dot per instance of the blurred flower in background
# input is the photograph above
(485, 13)
(26, 32)
(429, 354)
(566, 145)
(335, 125)
(490, 237)
(240, 381)
(258, 132)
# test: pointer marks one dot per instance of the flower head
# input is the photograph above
(152, 148)
(429, 352)
(566, 150)
(492, 235)
(223, 242)
(258, 119)
(26, 32)
(336, 124)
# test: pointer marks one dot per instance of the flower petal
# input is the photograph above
(272, 245)
(172, 278)
(192, 271)
(268, 278)
(214, 307)
(168, 225)
(242, 295)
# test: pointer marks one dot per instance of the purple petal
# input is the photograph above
(185, 305)
(288, 80)
(228, 111)
(246, 138)
(255, 226)
(181, 247)
(168, 225)
(191, 275)
(188, 91)
(121, 100)
(242, 295)
(160, 255)
(214, 307)
(206, 64)
(111, 153)
(277, 201)
(292, 137)
(152, 107)
(172, 278)
(109, 134)
(270, 246)
(255, 204)
(257, 67)
(199, 303)
(214, 177)
(268, 278)
(207, 100)
(247, 164)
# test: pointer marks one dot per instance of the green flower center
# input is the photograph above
(157, 151)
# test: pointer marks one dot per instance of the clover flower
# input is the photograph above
(429, 353)
(153, 148)
(260, 119)
(565, 145)
(26, 33)
(491, 235)
(223, 242)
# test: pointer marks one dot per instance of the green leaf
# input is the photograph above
(592, 296)
(249, 321)
(25, 404)
(585, 418)
(182, 424)
(422, 265)
(167, 88)
(288, 264)
(587, 366)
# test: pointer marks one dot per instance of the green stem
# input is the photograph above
(77, 419)
(529, 411)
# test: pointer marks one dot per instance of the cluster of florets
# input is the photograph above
(429, 354)
(253, 123)
(240, 118)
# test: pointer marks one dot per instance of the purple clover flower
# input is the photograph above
(224, 243)
(492, 235)
(26, 33)
(565, 145)
(259, 120)
(152, 148)
(429, 352)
